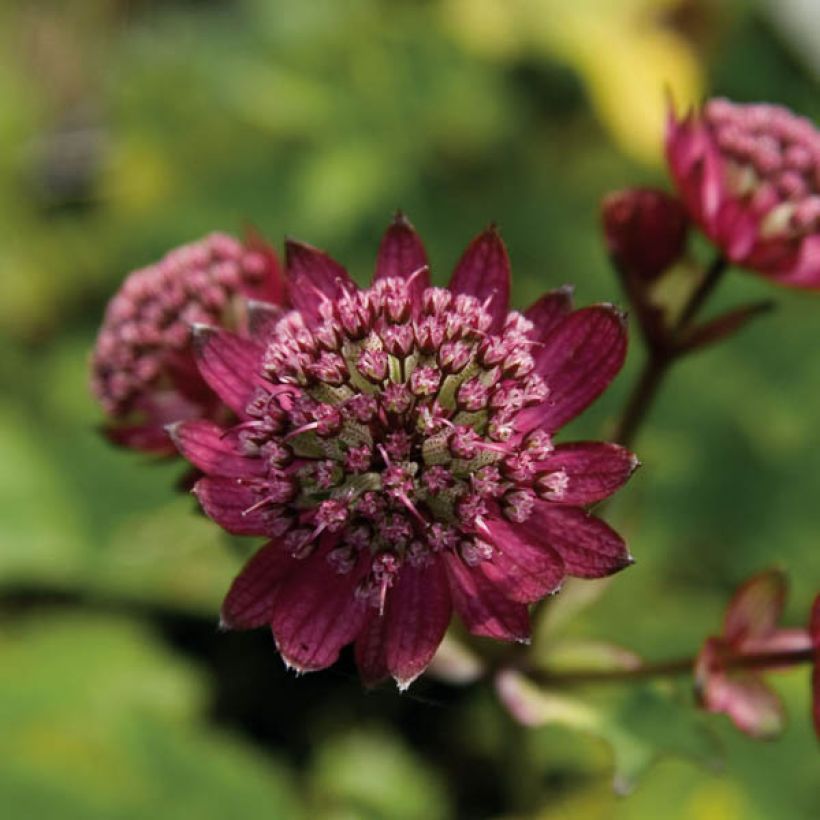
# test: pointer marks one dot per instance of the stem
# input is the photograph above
(671, 668)
(678, 666)
(641, 398)
(663, 355)
(713, 275)
(771, 660)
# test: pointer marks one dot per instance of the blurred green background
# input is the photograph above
(131, 126)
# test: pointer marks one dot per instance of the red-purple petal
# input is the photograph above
(313, 275)
(814, 632)
(229, 364)
(148, 438)
(317, 613)
(594, 470)
(371, 656)
(417, 614)
(547, 312)
(230, 503)
(483, 607)
(207, 447)
(249, 602)
(523, 567)
(589, 547)
(756, 607)
(402, 254)
(484, 272)
(579, 359)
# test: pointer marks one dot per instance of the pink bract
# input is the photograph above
(749, 175)
(750, 627)
(395, 445)
(143, 369)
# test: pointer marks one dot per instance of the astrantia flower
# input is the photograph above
(749, 175)
(645, 231)
(395, 446)
(728, 671)
(143, 368)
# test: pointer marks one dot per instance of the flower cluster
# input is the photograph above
(728, 671)
(395, 444)
(143, 370)
(749, 175)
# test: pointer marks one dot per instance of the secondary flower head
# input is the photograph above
(645, 231)
(749, 175)
(728, 671)
(143, 369)
(395, 445)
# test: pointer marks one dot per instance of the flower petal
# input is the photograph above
(589, 547)
(229, 364)
(523, 567)
(484, 272)
(312, 276)
(756, 607)
(371, 659)
(148, 438)
(579, 359)
(814, 632)
(594, 470)
(546, 313)
(483, 607)
(206, 446)
(752, 706)
(249, 602)
(230, 503)
(402, 254)
(317, 613)
(417, 614)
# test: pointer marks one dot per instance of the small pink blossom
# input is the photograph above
(749, 175)
(437, 502)
(750, 628)
(143, 370)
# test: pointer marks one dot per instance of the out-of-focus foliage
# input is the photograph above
(130, 127)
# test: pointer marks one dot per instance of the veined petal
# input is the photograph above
(230, 503)
(589, 547)
(547, 311)
(483, 607)
(148, 438)
(484, 272)
(312, 276)
(207, 447)
(402, 254)
(523, 566)
(229, 364)
(317, 613)
(417, 614)
(371, 645)
(756, 607)
(579, 359)
(594, 470)
(249, 602)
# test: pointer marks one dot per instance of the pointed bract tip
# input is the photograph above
(403, 684)
(619, 313)
(223, 625)
(201, 334)
(400, 220)
(173, 431)
(525, 640)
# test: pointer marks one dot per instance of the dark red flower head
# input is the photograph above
(749, 175)
(724, 681)
(396, 446)
(143, 370)
(645, 231)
